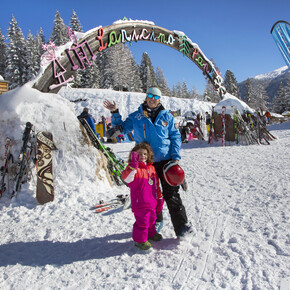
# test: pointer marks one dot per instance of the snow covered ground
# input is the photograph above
(238, 202)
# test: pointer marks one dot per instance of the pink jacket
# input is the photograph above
(143, 194)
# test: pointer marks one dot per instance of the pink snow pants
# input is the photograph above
(144, 226)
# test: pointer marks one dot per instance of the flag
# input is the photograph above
(281, 34)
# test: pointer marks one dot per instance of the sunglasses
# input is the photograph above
(150, 96)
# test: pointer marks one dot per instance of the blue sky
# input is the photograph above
(236, 34)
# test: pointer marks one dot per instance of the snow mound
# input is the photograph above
(127, 102)
(232, 103)
(74, 159)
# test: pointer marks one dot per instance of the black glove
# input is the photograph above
(184, 185)
(114, 132)
(159, 217)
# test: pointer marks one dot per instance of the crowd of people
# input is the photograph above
(193, 126)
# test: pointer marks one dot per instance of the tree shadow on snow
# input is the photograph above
(42, 253)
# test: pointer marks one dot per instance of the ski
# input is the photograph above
(223, 126)
(119, 201)
(267, 132)
(24, 158)
(200, 132)
(211, 128)
(115, 164)
(248, 134)
(109, 207)
(236, 128)
(8, 158)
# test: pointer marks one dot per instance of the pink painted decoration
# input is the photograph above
(72, 36)
(59, 74)
(81, 55)
(49, 55)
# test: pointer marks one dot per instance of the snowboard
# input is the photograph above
(44, 186)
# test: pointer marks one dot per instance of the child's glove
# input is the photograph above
(134, 160)
(160, 203)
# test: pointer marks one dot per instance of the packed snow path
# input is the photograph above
(238, 202)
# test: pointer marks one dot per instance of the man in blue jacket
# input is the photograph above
(153, 124)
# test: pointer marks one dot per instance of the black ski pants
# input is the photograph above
(173, 200)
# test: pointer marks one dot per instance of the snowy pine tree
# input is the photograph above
(287, 95)
(184, 91)
(206, 93)
(147, 72)
(174, 91)
(39, 42)
(32, 57)
(231, 84)
(249, 92)
(91, 77)
(16, 62)
(59, 33)
(117, 68)
(162, 82)
(177, 90)
(279, 101)
(260, 99)
(40, 36)
(3, 48)
(105, 79)
(210, 94)
(135, 83)
(194, 94)
(74, 23)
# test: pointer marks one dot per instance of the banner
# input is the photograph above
(281, 34)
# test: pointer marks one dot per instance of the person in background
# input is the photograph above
(145, 193)
(207, 121)
(153, 124)
(88, 117)
(268, 116)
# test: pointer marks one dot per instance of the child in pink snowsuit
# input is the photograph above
(146, 197)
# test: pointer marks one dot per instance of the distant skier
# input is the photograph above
(146, 197)
(91, 121)
(268, 116)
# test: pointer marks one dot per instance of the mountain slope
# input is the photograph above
(271, 81)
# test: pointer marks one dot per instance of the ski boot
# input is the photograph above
(156, 238)
(143, 246)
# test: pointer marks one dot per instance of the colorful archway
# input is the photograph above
(81, 51)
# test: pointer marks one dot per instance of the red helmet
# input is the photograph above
(173, 173)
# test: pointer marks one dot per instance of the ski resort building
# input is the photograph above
(3, 85)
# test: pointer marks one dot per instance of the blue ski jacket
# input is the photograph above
(163, 136)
